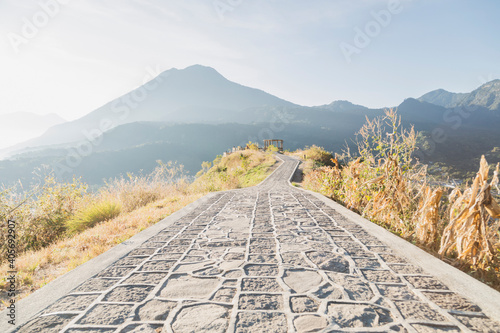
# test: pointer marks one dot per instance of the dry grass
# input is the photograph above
(240, 169)
(472, 228)
(315, 157)
(386, 186)
(427, 216)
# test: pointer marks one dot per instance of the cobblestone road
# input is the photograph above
(271, 258)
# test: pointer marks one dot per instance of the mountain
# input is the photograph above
(192, 115)
(194, 94)
(20, 126)
(486, 96)
(443, 98)
(343, 106)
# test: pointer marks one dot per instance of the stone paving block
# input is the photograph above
(202, 318)
(167, 256)
(367, 263)
(294, 259)
(225, 295)
(72, 303)
(418, 310)
(359, 252)
(262, 250)
(234, 256)
(260, 302)
(261, 270)
(106, 314)
(425, 282)
(152, 244)
(115, 272)
(185, 286)
(392, 258)
(309, 323)
(451, 301)
(479, 323)
(250, 322)
(260, 284)
(209, 271)
(397, 292)
(406, 269)
(144, 278)
(95, 284)
(356, 289)
(329, 261)
(187, 268)
(230, 283)
(380, 249)
(142, 252)
(173, 249)
(47, 324)
(300, 304)
(134, 294)
(236, 273)
(262, 258)
(154, 310)
(263, 234)
(358, 315)
(300, 280)
(380, 276)
(193, 259)
(130, 261)
(180, 241)
(327, 291)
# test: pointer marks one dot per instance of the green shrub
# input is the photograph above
(89, 216)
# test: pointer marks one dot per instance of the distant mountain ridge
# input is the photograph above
(194, 94)
(190, 115)
(486, 96)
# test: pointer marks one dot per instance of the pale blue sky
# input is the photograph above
(92, 51)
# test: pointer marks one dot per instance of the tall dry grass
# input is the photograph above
(473, 226)
(54, 210)
(383, 183)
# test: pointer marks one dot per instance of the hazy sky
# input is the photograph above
(72, 56)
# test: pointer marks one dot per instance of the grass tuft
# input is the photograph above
(89, 216)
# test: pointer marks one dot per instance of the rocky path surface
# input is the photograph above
(270, 258)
